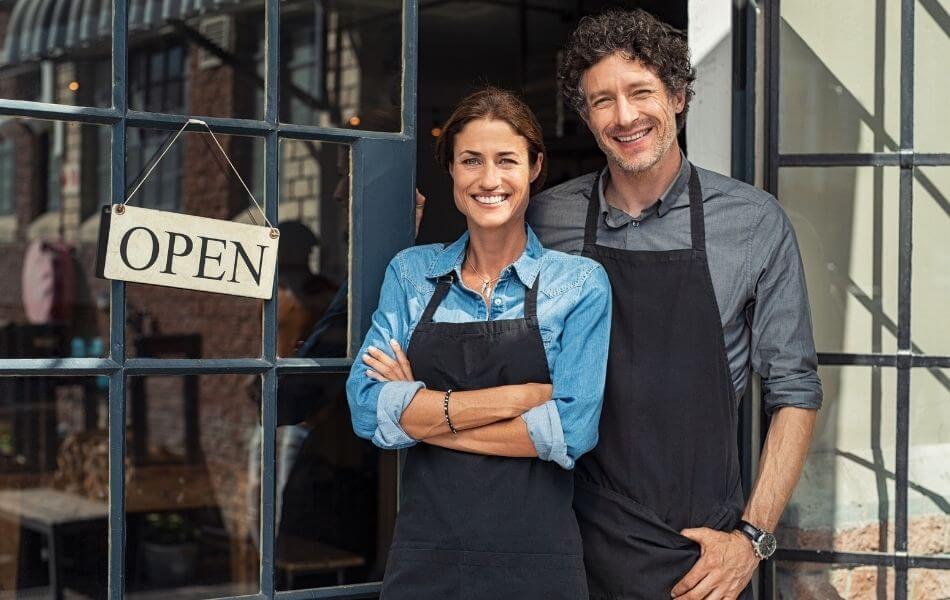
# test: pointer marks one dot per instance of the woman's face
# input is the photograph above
(492, 174)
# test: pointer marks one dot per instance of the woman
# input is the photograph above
(501, 387)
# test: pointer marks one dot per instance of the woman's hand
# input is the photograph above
(383, 367)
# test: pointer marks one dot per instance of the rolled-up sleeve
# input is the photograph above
(376, 407)
(782, 343)
(566, 427)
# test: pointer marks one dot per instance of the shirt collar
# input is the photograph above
(675, 195)
(526, 267)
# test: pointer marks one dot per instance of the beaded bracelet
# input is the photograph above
(445, 409)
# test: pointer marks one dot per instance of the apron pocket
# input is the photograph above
(630, 553)
(505, 576)
(421, 574)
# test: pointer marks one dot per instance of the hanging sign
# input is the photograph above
(171, 249)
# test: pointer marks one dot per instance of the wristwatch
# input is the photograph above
(763, 542)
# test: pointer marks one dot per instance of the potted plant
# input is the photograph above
(170, 548)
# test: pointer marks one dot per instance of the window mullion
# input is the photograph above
(117, 317)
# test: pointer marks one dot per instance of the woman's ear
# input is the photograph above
(536, 167)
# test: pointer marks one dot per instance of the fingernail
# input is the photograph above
(393, 343)
(370, 348)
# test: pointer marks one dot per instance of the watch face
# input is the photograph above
(766, 545)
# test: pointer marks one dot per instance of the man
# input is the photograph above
(707, 282)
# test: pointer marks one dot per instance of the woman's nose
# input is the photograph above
(490, 177)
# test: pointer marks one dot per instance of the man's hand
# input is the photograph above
(725, 566)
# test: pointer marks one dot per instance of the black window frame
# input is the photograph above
(907, 357)
(382, 199)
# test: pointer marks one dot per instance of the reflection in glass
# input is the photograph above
(54, 176)
(819, 581)
(846, 222)
(930, 328)
(928, 498)
(195, 179)
(52, 52)
(190, 530)
(314, 210)
(838, 65)
(197, 59)
(341, 64)
(336, 493)
(54, 485)
(845, 499)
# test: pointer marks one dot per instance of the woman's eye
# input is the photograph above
(508, 161)
(470, 161)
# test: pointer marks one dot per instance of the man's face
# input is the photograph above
(630, 112)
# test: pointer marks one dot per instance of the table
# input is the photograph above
(53, 513)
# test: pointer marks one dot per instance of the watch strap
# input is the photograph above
(749, 530)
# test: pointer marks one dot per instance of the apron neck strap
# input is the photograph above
(593, 211)
(696, 221)
(697, 224)
(531, 299)
(441, 289)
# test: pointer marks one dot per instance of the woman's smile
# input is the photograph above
(490, 200)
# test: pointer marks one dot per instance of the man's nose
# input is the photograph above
(626, 113)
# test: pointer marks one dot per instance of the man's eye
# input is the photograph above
(600, 102)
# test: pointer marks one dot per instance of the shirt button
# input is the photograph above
(497, 301)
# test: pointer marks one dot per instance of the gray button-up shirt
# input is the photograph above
(754, 262)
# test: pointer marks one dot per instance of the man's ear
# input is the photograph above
(536, 168)
(679, 100)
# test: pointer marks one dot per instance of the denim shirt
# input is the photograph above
(573, 314)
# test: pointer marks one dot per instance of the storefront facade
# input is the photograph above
(163, 443)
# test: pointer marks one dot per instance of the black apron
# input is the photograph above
(667, 458)
(475, 527)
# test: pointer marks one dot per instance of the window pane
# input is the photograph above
(336, 493)
(845, 499)
(929, 583)
(55, 176)
(341, 64)
(191, 511)
(840, 62)
(204, 59)
(195, 179)
(930, 274)
(312, 310)
(928, 500)
(931, 46)
(817, 581)
(54, 486)
(53, 53)
(846, 223)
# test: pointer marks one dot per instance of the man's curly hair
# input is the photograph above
(636, 35)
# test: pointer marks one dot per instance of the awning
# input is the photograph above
(49, 28)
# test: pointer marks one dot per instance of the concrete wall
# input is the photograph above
(709, 125)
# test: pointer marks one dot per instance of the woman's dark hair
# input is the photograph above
(635, 35)
(494, 104)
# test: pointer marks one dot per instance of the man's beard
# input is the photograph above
(644, 163)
